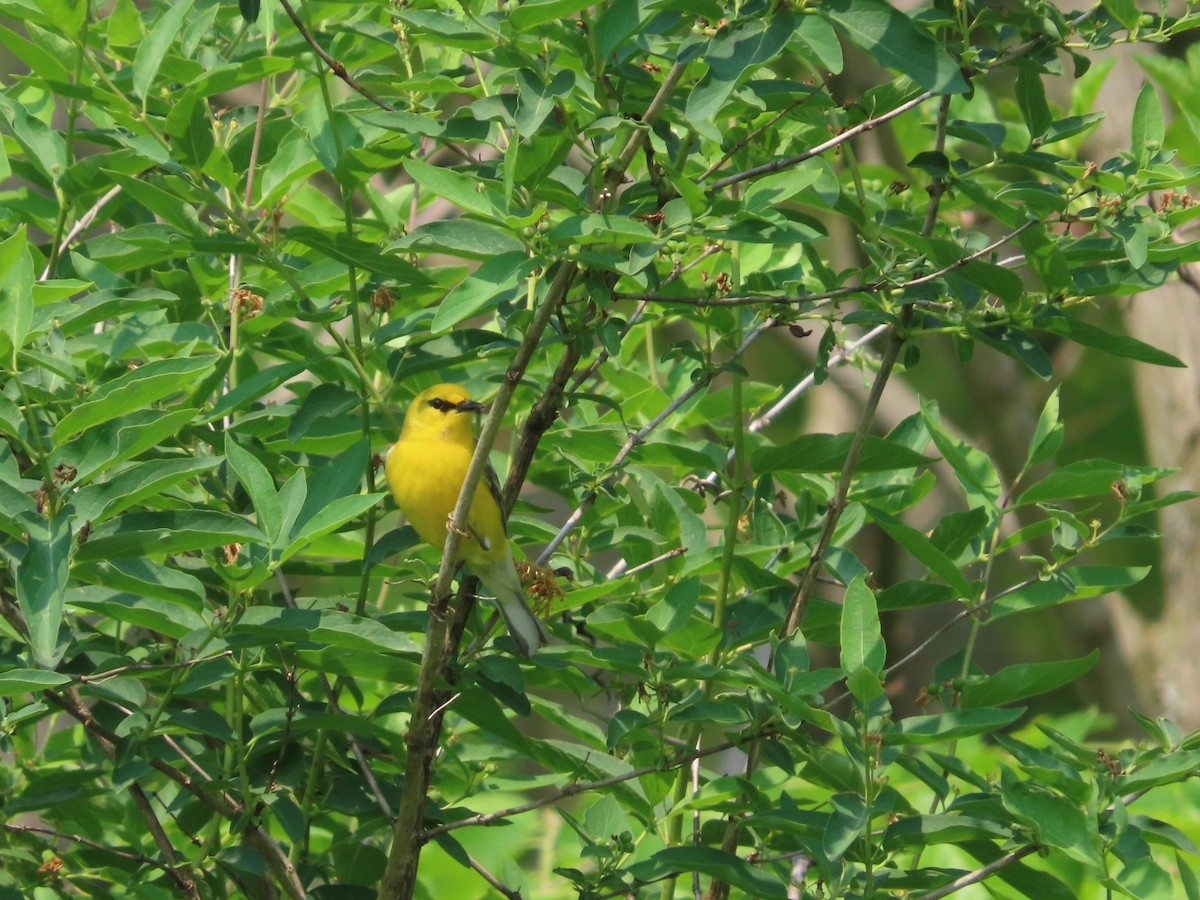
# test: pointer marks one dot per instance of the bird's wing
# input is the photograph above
(492, 483)
(493, 486)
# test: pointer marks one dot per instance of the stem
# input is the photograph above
(60, 223)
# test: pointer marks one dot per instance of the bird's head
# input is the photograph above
(440, 413)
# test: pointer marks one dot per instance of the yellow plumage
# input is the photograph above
(425, 471)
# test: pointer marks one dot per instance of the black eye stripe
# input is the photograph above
(439, 404)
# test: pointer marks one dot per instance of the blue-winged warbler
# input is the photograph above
(426, 469)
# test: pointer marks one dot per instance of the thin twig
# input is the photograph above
(707, 173)
(938, 632)
(575, 788)
(338, 68)
(80, 225)
(980, 874)
(147, 667)
(185, 884)
(670, 554)
(492, 879)
(873, 288)
(676, 272)
(839, 356)
(639, 437)
(853, 131)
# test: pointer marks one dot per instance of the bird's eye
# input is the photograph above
(439, 404)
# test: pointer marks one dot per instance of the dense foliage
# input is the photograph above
(237, 240)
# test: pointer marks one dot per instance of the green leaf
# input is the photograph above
(44, 148)
(98, 501)
(942, 829)
(1143, 877)
(535, 100)
(1085, 478)
(189, 126)
(1191, 884)
(616, 23)
(938, 729)
(733, 54)
(711, 862)
(255, 386)
(222, 79)
(1026, 881)
(863, 649)
(1026, 680)
(1047, 259)
(1058, 822)
(259, 484)
(465, 238)
(1148, 127)
(974, 470)
(161, 533)
(333, 516)
(1170, 768)
(355, 252)
(1075, 583)
(1047, 436)
(1079, 331)
(595, 228)
(1031, 98)
(42, 582)
(538, 12)
(469, 193)
(144, 577)
(110, 443)
(16, 295)
(923, 550)
(325, 401)
(261, 625)
(25, 681)
(491, 282)
(153, 49)
(821, 39)
(167, 617)
(1126, 12)
(896, 42)
(135, 390)
(827, 453)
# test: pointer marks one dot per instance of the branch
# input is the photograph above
(636, 438)
(284, 872)
(492, 879)
(80, 225)
(337, 68)
(147, 667)
(806, 383)
(400, 875)
(980, 874)
(876, 287)
(575, 788)
(860, 128)
(185, 884)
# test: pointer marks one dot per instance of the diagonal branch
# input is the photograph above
(639, 437)
(336, 67)
(853, 131)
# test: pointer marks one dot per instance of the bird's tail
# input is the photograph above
(527, 630)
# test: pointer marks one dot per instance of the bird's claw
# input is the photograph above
(450, 527)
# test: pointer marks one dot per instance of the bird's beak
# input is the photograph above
(469, 406)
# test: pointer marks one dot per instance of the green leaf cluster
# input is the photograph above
(237, 239)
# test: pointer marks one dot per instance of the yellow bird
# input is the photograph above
(426, 469)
